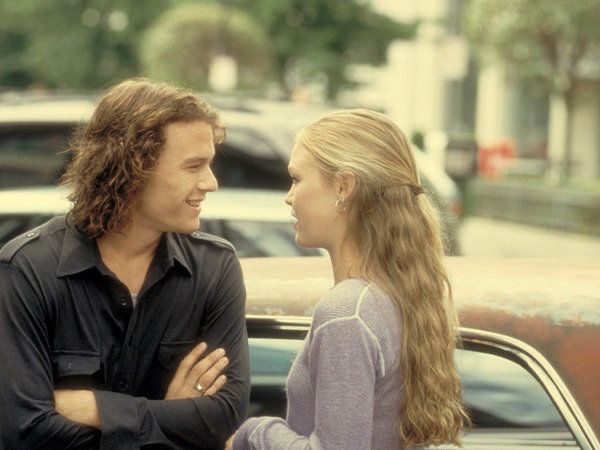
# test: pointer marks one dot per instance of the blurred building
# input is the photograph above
(433, 86)
(429, 85)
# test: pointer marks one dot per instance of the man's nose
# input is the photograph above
(208, 182)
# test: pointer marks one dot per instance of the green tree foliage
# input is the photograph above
(541, 41)
(83, 44)
(312, 38)
(182, 43)
(72, 43)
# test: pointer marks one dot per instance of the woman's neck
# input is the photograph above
(346, 262)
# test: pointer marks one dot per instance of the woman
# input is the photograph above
(376, 370)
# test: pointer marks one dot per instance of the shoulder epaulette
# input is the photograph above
(13, 246)
(212, 239)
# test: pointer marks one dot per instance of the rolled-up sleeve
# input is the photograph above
(27, 415)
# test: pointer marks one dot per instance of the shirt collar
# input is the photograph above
(80, 253)
(174, 251)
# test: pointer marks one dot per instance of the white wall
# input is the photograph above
(410, 88)
(490, 120)
(586, 131)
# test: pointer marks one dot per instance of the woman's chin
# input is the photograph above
(302, 241)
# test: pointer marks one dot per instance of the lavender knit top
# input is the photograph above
(343, 388)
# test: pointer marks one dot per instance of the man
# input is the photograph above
(99, 309)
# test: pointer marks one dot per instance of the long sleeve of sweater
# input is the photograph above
(343, 359)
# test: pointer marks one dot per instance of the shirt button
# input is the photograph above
(123, 301)
(122, 385)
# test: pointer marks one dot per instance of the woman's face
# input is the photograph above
(312, 198)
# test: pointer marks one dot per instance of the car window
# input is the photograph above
(506, 402)
(502, 394)
(235, 165)
(270, 362)
(30, 156)
(255, 145)
(260, 238)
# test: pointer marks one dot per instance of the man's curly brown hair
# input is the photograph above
(115, 152)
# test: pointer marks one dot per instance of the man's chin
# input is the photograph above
(188, 229)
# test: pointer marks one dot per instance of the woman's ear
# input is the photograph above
(346, 185)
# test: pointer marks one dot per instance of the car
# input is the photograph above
(35, 132)
(257, 222)
(528, 358)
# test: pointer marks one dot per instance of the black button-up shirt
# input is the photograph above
(67, 322)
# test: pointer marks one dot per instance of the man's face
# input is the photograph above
(172, 196)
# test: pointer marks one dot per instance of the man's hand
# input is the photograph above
(77, 405)
(191, 371)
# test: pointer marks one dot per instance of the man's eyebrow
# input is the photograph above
(195, 160)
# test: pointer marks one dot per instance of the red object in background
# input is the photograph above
(493, 159)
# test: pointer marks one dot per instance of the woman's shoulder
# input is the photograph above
(341, 300)
(363, 309)
(349, 298)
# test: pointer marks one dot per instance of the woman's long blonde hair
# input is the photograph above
(398, 233)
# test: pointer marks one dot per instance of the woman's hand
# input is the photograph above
(229, 443)
(196, 377)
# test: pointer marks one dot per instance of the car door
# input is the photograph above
(515, 397)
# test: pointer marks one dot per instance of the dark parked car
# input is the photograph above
(34, 132)
(529, 359)
(257, 222)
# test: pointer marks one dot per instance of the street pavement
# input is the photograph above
(488, 237)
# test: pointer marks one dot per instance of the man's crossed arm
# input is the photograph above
(195, 377)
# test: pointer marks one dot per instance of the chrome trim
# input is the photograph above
(293, 327)
(280, 320)
(544, 372)
(524, 354)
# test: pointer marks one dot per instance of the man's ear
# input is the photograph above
(346, 185)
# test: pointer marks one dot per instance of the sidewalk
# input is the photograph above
(487, 237)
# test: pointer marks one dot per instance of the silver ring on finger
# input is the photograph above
(199, 387)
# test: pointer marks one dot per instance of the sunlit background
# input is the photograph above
(502, 95)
